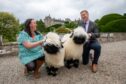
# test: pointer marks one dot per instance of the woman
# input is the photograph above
(30, 48)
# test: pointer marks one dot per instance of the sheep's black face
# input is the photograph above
(79, 39)
(51, 48)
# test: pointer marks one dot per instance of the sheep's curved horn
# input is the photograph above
(71, 34)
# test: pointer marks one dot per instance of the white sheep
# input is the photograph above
(54, 53)
(73, 45)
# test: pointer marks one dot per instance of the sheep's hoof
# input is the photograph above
(69, 63)
(76, 65)
(68, 66)
(54, 74)
(49, 73)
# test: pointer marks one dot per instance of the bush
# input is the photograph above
(108, 18)
(62, 30)
(115, 26)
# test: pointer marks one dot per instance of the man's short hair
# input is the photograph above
(84, 11)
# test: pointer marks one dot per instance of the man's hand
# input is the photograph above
(89, 34)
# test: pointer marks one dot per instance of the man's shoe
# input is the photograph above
(94, 68)
(84, 63)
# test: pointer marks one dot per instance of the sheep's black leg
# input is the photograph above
(76, 63)
(49, 70)
(68, 63)
(54, 71)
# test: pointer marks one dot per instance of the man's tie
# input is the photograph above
(85, 26)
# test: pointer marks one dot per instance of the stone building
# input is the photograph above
(52, 21)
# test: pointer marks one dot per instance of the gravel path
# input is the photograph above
(112, 70)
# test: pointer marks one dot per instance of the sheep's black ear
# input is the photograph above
(71, 35)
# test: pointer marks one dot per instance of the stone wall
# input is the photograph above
(11, 48)
(112, 37)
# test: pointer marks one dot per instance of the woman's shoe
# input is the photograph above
(26, 71)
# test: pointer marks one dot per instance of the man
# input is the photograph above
(92, 30)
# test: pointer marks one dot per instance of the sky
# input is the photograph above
(61, 9)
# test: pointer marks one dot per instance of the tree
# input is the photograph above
(41, 26)
(9, 26)
(22, 26)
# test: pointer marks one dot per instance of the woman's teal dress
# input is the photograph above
(27, 55)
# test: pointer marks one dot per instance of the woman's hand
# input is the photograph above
(41, 42)
(28, 44)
